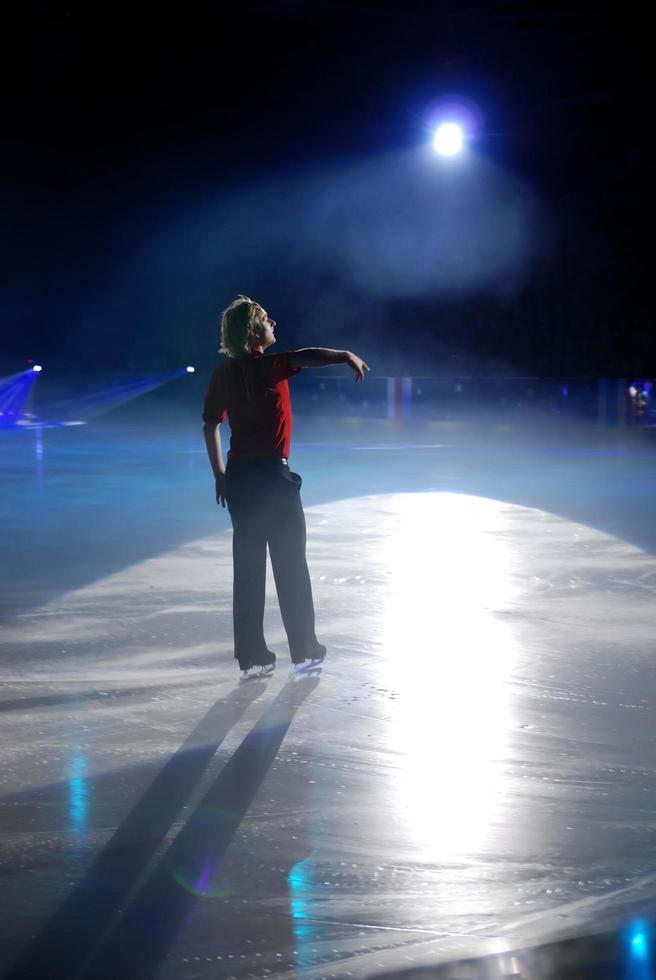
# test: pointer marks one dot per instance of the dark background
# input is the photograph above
(159, 160)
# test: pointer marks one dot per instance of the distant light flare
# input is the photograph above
(15, 391)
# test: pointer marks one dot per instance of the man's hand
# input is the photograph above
(357, 365)
(220, 490)
(212, 437)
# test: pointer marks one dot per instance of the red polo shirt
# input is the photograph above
(254, 394)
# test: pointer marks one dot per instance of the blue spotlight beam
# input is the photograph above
(11, 377)
(14, 394)
(96, 403)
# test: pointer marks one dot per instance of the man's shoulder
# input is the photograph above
(286, 365)
(285, 357)
(221, 369)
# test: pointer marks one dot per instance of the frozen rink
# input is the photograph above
(473, 770)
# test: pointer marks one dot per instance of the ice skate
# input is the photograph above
(311, 664)
(262, 666)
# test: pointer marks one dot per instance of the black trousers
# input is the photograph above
(265, 507)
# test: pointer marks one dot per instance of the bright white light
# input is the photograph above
(449, 569)
(37, 368)
(448, 139)
(190, 369)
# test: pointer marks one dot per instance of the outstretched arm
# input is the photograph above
(315, 357)
(212, 437)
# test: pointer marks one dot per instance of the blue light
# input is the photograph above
(77, 788)
(14, 397)
(298, 885)
(638, 943)
(302, 890)
(639, 946)
(82, 407)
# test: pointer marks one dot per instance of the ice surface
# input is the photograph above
(474, 768)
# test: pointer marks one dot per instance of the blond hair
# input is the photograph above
(238, 324)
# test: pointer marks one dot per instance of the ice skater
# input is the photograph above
(262, 493)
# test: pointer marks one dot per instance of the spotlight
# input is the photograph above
(454, 122)
(37, 368)
(448, 139)
(190, 369)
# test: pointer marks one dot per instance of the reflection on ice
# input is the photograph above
(640, 959)
(448, 660)
(301, 888)
(476, 761)
(77, 792)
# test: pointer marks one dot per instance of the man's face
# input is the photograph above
(265, 335)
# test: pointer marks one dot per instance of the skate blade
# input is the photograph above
(257, 672)
(309, 667)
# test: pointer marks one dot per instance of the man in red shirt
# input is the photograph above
(262, 493)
